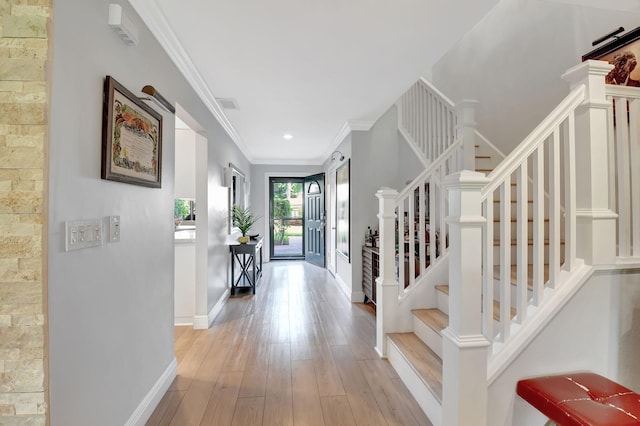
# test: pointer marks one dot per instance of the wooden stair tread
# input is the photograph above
(514, 220)
(484, 170)
(483, 157)
(496, 303)
(423, 360)
(496, 201)
(434, 318)
(514, 241)
(514, 274)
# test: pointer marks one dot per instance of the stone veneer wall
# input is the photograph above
(24, 99)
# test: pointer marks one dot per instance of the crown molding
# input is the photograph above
(348, 127)
(362, 125)
(152, 16)
(271, 162)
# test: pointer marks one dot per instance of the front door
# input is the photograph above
(314, 215)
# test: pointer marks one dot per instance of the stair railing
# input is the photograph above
(427, 119)
(413, 228)
(624, 155)
(581, 186)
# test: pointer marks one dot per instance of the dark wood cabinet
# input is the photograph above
(370, 271)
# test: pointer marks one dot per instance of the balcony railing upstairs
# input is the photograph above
(624, 164)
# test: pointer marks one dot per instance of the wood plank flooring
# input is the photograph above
(296, 353)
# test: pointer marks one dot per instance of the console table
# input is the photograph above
(249, 259)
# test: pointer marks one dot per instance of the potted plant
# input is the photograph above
(243, 219)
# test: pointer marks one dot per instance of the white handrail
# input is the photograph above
(624, 141)
(533, 140)
(446, 155)
(436, 92)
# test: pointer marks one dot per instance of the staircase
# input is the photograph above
(508, 254)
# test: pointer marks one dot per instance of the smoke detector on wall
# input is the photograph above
(228, 103)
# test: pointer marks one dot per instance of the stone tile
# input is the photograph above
(31, 174)
(7, 410)
(6, 185)
(26, 409)
(25, 229)
(20, 201)
(21, 337)
(25, 26)
(32, 353)
(34, 420)
(8, 355)
(21, 10)
(19, 308)
(11, 86)
(20, 276)
(17, 157)
(31, 264)
(25, 140)
(20, 293)
(5, 320)
(22, 69)
(22, 113)
(26, 320)
(30, 218)
(23, 376)
(9, 174)
(28, 53)
(23, 398)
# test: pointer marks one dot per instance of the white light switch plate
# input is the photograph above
(114, 229)
(81, 234)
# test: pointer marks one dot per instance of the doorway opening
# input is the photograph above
(286, 217)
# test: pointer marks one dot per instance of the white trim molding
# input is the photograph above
(153, 17)
(348, 127)
(151, 400)
(213, 313)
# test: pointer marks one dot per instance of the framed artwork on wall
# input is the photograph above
(343, 210)
(623, 53)
(131, 138)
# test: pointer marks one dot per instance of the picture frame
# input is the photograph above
(131, 138)
(624, 53)
(343, 214)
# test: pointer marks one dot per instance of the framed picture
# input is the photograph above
(342, 210)
(131, 138)
(623, 53)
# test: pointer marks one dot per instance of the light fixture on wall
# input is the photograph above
(122, 25)
(337, 152)
(613, 33)
(157, 98)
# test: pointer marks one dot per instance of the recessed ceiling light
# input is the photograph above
(287, 136)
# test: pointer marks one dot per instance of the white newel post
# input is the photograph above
(465, 349)
(595, 221)
(386, 285)
(466, 129)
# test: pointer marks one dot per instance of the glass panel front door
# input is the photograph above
(287, 213)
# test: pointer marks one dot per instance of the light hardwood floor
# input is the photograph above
(297, 353)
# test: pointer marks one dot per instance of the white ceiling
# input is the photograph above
(305, 68)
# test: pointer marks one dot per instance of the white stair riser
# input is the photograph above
(442, 301)
(428, 335)
(514, 254)
(422, 394)
(514, 229)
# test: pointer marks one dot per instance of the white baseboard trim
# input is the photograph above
(218, 306)
(200, 322)
(357, 297)
(179, 321)
(343, 286)
(153, 397)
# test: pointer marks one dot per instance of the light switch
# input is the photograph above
(81, 234)
(114, 229)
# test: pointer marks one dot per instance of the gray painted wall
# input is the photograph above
(512, 61)
(379, 157)
(111, 307)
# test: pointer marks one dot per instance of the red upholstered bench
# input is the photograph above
(582, 399)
